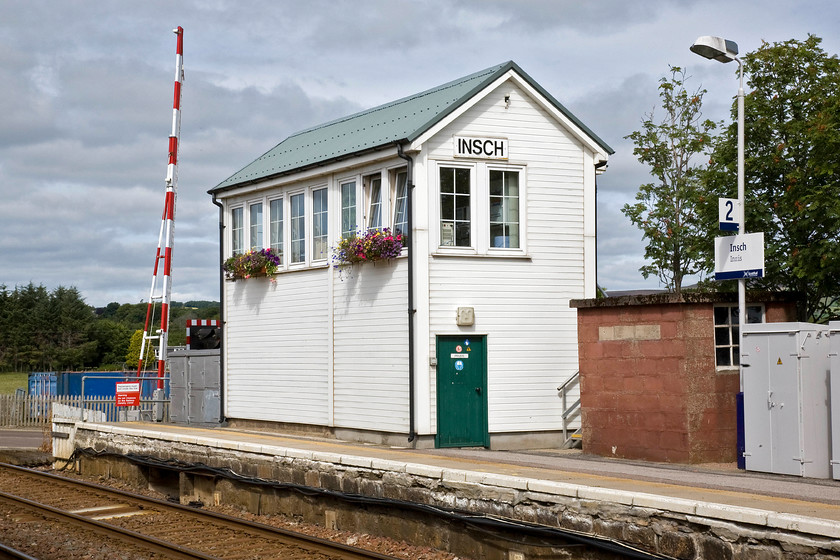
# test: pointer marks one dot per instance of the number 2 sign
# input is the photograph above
(728, 212)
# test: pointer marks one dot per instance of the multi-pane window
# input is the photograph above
(727, 347)
(297, 215)
(297, 226)
(348, 209)
(504, 208)
(320, 223)
(275, 211)
(237, 218)
(401, 204)
(455, 207)
(255, 226)
(375, 202)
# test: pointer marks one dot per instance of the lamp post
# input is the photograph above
(723, 50)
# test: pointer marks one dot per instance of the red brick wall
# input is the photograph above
(655, 394)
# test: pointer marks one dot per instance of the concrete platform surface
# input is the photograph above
(21, 439)
(722, 488)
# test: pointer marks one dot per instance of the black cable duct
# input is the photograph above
(481, 522)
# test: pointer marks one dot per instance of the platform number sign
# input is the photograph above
(728, 209)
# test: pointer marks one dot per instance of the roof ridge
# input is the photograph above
(401, 120)
(448, 85)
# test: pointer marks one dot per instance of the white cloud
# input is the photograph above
(85, 108)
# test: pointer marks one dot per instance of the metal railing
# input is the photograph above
(35, 411)
(569, 410)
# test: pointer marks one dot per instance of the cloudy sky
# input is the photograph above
(86, 105)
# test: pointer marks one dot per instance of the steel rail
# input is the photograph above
(279, 535)
(9, 553)
(176, 552)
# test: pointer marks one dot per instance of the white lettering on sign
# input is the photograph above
(486, 148)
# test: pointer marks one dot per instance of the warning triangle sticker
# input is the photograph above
(779, 362)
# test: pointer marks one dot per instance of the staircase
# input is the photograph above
(569, 412)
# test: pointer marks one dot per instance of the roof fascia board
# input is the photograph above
(547, 104)
(570, 125)
(417, 143)
(309, 174)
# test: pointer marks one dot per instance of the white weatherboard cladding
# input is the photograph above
(521, 305)
(277, 348)
(370, 320)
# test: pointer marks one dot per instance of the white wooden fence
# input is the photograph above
(35, 411)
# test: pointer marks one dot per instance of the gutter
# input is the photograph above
(222, 419)
(409, 195)
(599, 165)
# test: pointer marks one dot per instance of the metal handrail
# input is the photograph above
(568, 410)
(569, 381)
(157, 401)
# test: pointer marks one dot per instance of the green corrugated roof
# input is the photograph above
(399, 121)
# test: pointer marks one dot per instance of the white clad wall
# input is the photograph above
(371, 347)
(520, 304)
(277, 348)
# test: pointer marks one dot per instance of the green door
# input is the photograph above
(462, 391)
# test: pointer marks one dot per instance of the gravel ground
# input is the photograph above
(381, 545)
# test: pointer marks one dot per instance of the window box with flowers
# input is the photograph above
(254, 263)
(372, 246)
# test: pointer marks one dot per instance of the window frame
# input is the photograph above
(283, 223)
(521, 181)
(471, 248)
(384, 206)
(323, 215)
(731, 325)
(480, 209)
(394, 176)
(347, 182)
(237, 249)
(292, 229)
(302, 198)
(257, 234)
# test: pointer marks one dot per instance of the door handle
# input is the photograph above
(478, 390)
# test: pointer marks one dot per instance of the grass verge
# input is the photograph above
(12, 380)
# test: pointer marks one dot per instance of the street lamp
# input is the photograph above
(724, 50)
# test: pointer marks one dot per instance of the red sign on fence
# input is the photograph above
(128, 393)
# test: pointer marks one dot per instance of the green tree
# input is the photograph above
(68, 339)
(792, 169)
(112, 341)
(665, 210)
(132, 358)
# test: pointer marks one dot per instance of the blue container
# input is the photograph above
(97, 383)
(42, 383)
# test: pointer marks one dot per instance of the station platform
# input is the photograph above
(777, 502)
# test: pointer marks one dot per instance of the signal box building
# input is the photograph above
(465, 336)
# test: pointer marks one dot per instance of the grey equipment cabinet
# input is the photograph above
(786, 414)
(194, 387)
(834, 398)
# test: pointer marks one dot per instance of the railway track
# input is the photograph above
(89, 516)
